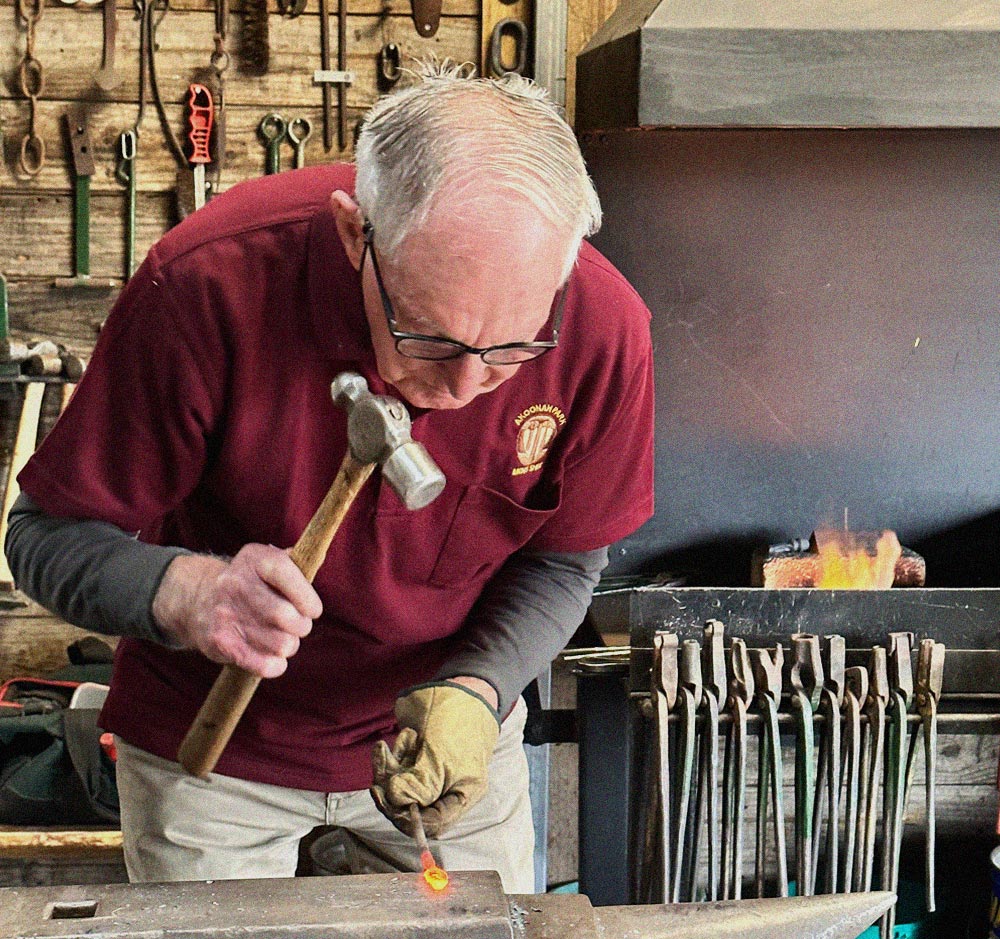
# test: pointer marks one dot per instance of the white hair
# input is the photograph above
(451, 130)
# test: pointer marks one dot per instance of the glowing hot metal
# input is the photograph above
(436, 877)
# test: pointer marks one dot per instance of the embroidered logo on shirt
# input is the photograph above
(537, 426)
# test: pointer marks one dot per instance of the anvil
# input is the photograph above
(402, 906)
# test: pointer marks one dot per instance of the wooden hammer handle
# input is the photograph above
(229, 696)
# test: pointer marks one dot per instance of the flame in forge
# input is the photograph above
(436, 877)
(856, 560)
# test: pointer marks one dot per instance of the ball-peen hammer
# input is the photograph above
(378, 433)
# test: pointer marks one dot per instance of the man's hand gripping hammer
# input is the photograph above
(378, 433)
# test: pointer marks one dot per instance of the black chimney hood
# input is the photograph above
(792, 63)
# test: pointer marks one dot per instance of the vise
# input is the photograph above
(403, 906)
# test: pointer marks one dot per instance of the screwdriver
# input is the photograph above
(200, 115)
(435, 876)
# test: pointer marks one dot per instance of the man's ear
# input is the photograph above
(350, 224)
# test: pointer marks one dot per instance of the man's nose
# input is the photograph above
(468, 376)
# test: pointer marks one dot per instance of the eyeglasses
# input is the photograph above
(436, 348)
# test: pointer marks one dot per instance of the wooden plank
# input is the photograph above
(583, 19)
(48, 253)
(72, 318)
(61, 843)
(184, 41)
(34, 642)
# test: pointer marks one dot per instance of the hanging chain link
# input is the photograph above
(32, 81)
(219, 62)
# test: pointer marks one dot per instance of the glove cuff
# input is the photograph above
(444, 683)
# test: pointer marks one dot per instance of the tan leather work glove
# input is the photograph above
(441, 756)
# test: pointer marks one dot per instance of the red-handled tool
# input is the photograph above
(201, 112)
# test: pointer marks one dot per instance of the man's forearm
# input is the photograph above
(524, 618)
(90, 573)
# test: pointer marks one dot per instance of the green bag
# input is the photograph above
(53, 770)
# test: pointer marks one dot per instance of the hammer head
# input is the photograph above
(378, 431)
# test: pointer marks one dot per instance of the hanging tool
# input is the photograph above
(930, 681)
(82, 159)
(828, 765)
(299, 131)
(689, 697)
(665, 686)
(125, 174)
(389, 66)
(505, 31)
(855, 695)
(900, 672)
(874, 736)
(734, 775)
(255, 46)
(426, 16)
(341, 78)
(770, 771)
(128, 143)
(517, 31)
(31, 79)
(378, 433)
(272, 129)
(806, 679)
(107, 78)
(218, 64)
(200, 116)
(292, 8)
(713, 693)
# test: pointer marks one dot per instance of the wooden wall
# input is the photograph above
(36, 215)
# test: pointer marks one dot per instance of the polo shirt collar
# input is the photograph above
(336, 305)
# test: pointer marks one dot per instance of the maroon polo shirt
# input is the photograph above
(205, 420)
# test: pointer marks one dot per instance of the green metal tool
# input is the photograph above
(83, 168)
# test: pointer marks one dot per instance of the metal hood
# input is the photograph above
(792, 63)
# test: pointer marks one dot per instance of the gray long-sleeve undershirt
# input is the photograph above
(96, 576)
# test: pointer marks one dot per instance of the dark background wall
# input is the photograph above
(826, 334)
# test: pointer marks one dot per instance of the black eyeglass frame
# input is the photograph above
(460, 348)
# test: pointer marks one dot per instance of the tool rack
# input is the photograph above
(613, 693)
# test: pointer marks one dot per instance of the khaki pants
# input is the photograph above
(178, 827)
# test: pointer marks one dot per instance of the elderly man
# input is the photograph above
(448, 268)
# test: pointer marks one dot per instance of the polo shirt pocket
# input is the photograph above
(486, 529)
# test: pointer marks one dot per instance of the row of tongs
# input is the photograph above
(851, 741)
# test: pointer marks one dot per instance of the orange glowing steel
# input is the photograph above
(856, 561)
(435, 876)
